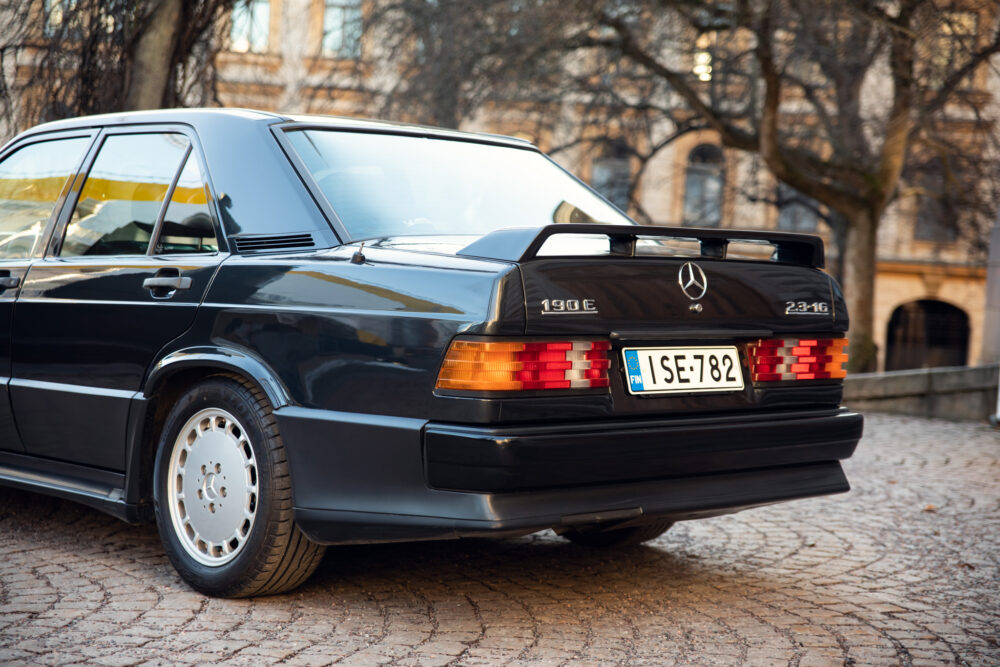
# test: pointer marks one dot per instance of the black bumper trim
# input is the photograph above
(537, 457)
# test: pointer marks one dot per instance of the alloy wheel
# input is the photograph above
(212, 487)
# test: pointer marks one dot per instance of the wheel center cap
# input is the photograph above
(208, 486)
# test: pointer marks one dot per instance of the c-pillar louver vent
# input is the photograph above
(273, 242)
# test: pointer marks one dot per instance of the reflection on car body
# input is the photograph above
(271, 333)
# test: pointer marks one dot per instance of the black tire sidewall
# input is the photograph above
(236, 399)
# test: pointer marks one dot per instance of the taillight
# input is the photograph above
(474, 365)
(798, 359)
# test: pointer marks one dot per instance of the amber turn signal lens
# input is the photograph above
(774, 360)
(474, 365)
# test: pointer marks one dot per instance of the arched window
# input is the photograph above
(611, 174)
(704, 181)
(926, 334)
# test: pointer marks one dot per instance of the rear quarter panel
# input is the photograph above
(365, 338)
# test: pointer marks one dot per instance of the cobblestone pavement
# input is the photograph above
(903, 570)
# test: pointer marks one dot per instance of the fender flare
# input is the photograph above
(230, 359)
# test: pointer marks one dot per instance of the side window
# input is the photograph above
(30, 182)
(123, 194)
(187, 225)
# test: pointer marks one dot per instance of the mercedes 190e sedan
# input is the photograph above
(270, 333)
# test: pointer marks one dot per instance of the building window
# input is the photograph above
(611, 175)
(342, 29)
(60, 16)
(936, 205)
(55, 15)
(796, 212)
(704, 181)
(67, 19)
(933, 222)
(951, 47)
(251, 26)
(702, 65)
(721, 73)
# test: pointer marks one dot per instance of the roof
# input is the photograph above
(194, 117)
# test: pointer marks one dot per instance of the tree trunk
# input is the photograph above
(149, 75)
(838, 225)
(859, 290)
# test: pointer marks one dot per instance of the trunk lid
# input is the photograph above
(644, 297)
(669, 282)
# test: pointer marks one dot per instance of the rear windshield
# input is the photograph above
(394, 185)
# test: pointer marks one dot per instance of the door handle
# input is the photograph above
(9, 282)
(166, 282)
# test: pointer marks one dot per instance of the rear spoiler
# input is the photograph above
(520, 244)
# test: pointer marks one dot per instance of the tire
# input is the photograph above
(617, 537)
(223, 494)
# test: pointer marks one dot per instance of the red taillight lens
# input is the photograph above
(798, 359)
(473, 365)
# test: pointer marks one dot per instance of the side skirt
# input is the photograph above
(100, 489)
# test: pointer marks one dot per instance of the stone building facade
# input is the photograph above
(308, 56)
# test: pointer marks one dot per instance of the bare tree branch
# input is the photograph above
(97, 56)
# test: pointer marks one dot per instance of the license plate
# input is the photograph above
(674, 370)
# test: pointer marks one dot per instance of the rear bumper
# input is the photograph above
(526, 512)
(366, 478)
(513, 459)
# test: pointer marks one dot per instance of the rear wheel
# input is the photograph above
(223, 494)
(617, 537)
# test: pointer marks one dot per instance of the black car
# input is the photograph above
(271, 332)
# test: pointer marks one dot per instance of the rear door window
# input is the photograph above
(121, 199)
(187, 224)
(31, 180)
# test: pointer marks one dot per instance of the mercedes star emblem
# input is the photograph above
(692, 280)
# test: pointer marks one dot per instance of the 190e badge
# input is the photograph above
(569, 307)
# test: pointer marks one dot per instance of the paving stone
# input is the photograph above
(864, 578)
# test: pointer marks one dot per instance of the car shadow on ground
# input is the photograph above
(539, 560)
(485, 558)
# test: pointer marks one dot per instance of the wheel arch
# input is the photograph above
(211, 360)
(174, 374)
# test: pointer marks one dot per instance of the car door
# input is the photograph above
(35, 177)
(126, 269)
